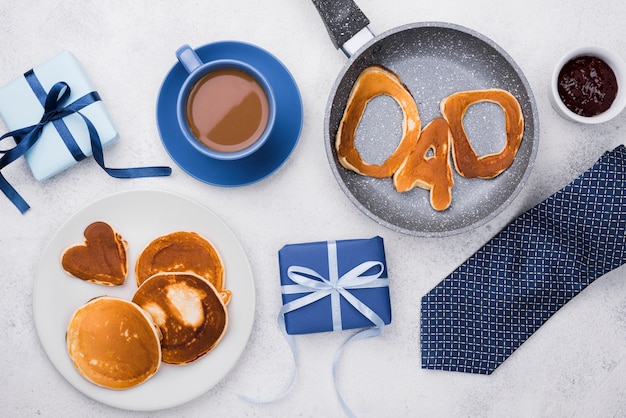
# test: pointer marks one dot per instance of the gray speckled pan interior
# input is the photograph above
(433, 60)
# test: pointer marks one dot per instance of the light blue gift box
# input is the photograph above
(20, 107)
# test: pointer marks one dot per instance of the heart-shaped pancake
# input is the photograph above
(102, 259)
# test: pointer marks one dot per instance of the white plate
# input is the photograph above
(140, 217)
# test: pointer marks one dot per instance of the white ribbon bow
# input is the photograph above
(309, 281)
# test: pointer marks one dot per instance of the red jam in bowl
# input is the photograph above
(587, 85)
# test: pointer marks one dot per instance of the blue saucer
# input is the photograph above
(258, 165)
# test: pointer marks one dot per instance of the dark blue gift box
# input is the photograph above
(370, 288)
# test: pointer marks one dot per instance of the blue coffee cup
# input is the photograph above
(226, 108)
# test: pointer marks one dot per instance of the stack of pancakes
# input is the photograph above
(177, 314)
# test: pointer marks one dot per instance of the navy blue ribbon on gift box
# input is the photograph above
(54, 111)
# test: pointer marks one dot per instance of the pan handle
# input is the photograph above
(346, 24)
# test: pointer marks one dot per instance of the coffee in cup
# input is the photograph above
(225, 107)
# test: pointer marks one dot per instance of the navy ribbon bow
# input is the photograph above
(54, 112)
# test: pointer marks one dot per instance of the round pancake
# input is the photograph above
(182, 251)
(189, 312)
(113, 343)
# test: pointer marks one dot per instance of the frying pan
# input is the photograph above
(433, 60)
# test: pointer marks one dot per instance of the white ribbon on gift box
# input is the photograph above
(319, 287)
(310, 281)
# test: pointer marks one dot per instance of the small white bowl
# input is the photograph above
(618, 66)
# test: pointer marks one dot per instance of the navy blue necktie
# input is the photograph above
(477, 316)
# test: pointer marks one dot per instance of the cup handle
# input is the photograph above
(188, 57)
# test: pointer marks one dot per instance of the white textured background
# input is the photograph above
(575, 365)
